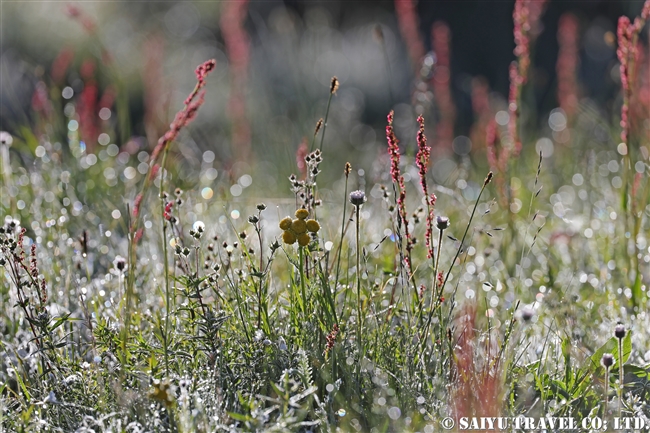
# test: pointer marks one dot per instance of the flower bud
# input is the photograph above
(619, 331)
(607, 360)
(357, 198)
(442, 223)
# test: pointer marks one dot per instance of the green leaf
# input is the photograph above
(239, 417)
(627, 348)
(611, 346)
(640, 372)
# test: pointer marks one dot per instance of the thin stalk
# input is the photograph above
(165, 260)
(606, 391)
(359, 324)
(338, 259)
(302, 279)
(435, 270)
(621, 379)
(259, 296)
(327, 113)
(451, 266)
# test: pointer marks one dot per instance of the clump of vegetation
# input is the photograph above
(386, 308)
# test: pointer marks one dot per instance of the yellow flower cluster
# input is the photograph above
(296, 229)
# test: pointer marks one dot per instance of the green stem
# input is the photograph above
(359, 320)
(327, 113)
(338, 260)
(606, 391)
(621, 379)
(451, 266)
(302, 279)
(435, 279)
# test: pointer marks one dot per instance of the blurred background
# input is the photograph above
(122, 69)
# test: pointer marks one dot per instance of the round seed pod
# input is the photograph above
(313, 226)
(302, 214)
(303, 240)
(285, 224)
(299, 226)
(288, 237)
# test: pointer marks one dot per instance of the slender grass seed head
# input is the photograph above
(488, 179)
(334, 85)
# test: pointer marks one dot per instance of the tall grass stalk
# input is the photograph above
(438, 297)
(621, 377)
(303, 292)
(346, 171)
(334, 85)
(357, 198)
(165, 260)
(359, 320)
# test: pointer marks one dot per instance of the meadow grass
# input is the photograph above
(134, 301)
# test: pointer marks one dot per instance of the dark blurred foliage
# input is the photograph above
(481, 45)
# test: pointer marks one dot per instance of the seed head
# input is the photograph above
(303, 240)
(302, 214)
(607, 360)
(334, 85)
(261, 207)
(285, 224)
(6, 138)
(619, 331)
(527, 313)
(298, 226)
(357, 198)
(442, 223)
(313, 226)
(120, 263)
(288, 237)
(319, 124)
(488, 179)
